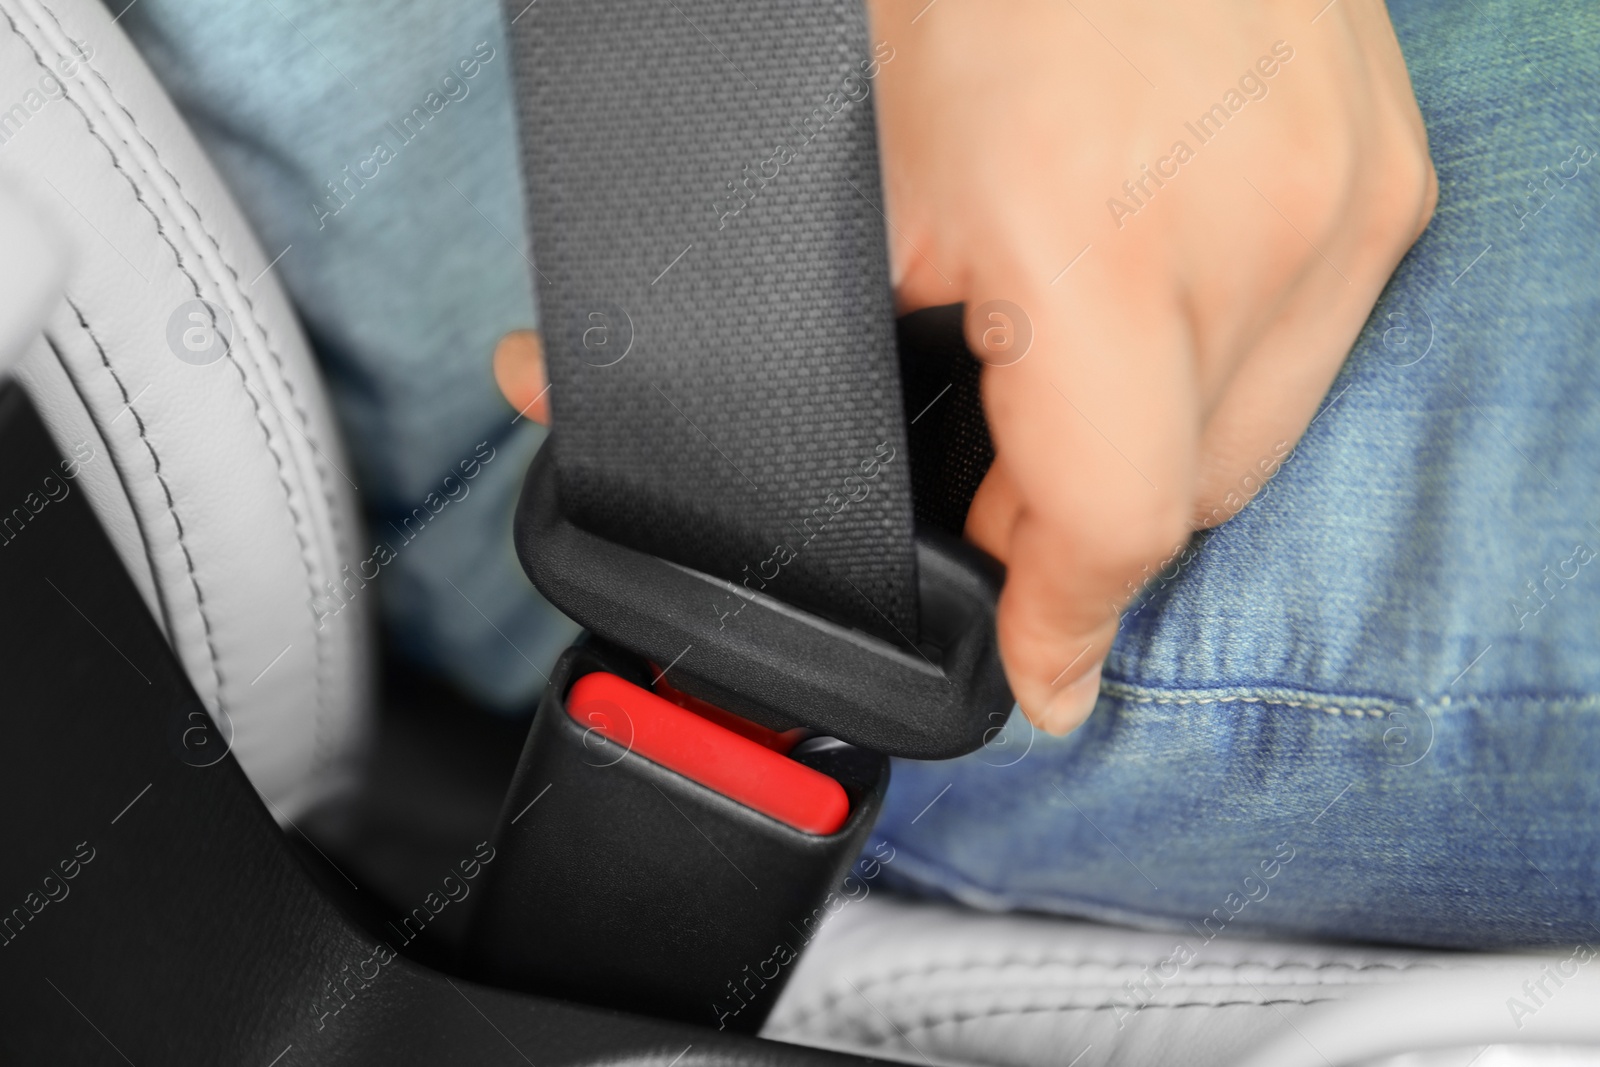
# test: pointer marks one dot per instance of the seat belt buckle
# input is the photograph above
(658, 856)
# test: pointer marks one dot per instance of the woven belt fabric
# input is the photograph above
(707, 225)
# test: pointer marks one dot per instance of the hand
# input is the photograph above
(1195, 258)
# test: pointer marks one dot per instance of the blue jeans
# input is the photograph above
(1380, 682)
(1367, 707)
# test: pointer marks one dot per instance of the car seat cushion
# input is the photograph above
(174, 362)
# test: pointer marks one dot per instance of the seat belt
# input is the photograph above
(728, 487)
(726, 503)
(705, 204)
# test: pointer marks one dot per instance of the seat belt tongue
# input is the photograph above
(728, 486)
(937, 698)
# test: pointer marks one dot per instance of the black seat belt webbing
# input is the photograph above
(705, 205)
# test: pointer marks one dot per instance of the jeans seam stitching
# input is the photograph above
(1142, 695)
(1357, 707)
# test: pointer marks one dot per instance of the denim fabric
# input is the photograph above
(1367, 707)
(1387, 667)
(405, 275)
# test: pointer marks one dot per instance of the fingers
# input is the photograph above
(993, 515)
(520, 374)
(1052, 642)
(1185, 354)
(1094, 434)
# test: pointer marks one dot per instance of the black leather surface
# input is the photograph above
(152, 911)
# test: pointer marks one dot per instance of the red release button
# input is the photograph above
(716, 757)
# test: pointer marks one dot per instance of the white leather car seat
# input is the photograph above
(931, 983)
(225, 490)
(223, 484)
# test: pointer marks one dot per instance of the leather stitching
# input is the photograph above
(322, 742)
(118, 464)
(829, 1001)
(155, 460)
(905, 1029)
(166, 237)
(200, 604)
(1051, 1009)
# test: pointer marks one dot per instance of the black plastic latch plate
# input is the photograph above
(776, 664)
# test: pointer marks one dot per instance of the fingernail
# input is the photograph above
(1072, 704)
